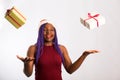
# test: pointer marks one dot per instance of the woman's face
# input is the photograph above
(49, 32)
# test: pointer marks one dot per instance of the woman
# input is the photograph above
(47, 56)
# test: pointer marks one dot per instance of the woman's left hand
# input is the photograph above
(90, 52)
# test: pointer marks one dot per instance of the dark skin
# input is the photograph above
(48, 37)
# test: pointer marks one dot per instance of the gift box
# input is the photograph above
(92, 20)
(15, 17)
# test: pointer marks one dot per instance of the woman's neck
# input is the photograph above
(48, 43)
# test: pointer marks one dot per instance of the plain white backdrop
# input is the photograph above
(65, 14)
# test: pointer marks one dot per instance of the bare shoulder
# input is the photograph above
(32, 47)
(31, 50)
(63, 48)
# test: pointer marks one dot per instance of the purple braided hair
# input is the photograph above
(40, 43)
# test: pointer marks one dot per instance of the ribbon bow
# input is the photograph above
(90, 16)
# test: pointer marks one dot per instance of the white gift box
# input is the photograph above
(92, 20)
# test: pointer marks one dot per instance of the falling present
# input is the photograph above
(15, 17)
(92, 20)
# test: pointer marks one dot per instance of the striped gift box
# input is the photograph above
(15, 17)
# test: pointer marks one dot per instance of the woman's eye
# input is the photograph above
(51, 30)
(48, 30)
(45, 30)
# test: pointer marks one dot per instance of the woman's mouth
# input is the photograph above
(49, 36)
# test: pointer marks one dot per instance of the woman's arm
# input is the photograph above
(71, 67)
(28, 61)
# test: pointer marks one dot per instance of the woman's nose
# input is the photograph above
(48, 31)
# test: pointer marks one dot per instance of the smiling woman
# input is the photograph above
(49, 33)
(65, 14)
(48, 56)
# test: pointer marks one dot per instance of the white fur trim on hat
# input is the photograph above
(43, 21)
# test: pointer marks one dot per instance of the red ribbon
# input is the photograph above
(19, 13)
(7, 14)
(8, 11)
(90, 16)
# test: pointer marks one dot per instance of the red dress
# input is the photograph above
(49, 65)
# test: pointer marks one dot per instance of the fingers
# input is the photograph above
(87, 52)
(27, 59)
(19, 57)
(92, 51)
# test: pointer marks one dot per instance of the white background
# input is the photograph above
(65, 14)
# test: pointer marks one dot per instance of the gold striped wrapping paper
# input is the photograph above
(15, 17)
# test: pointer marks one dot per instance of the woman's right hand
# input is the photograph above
(27, 59)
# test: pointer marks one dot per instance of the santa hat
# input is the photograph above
(43, 21)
